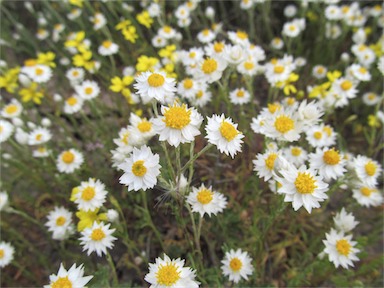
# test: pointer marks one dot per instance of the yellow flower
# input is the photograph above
(31, 93)
(46, 59)
(333, 75)
(78, 3)
(77, 42)
(121, 85)
(320, 90)
(287, 86)
(73, 193)
(145, 63)
(130, 34)
(83, 60)
(86, 219)
(377, 49)
(373, 121)
(169, 69)
(167, 51)
(145, 19)
(123, 24)
(9, 80)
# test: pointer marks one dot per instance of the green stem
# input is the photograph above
(113, 268)
(190, 162)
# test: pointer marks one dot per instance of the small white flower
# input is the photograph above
(205, 200)
(39, 135)
(367, 196)
(74, 277)
(87, 90)
(97, 238)
(6, 253)
(91, 195)
(367, 170)
(6, 130)
(12, 110)
(73, 104)
(237, 265)
(329, 162)
(344, 221)
(60, 223)
(68, 161)
(108, 48)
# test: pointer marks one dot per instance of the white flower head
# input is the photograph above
(60, 223)
(12, 110)
(344, 221)
(91, 195)
(237, 265)
(205, 200)
(74, 277)
(97, 238)
(87, 90)
(68, 161)
(6, 253)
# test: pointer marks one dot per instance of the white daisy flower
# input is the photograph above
(108, 48)
(265, 164)
(12, 110)
(319, 71)
(140, 169)
(158, 41)
(246, 4)
(295, 155)
(249, 66)
(310, 113)
(367, 170)
(302, 187)
(333, 12)
(127, 139)
(179, 124)
(169, 272)
(291, 29)
(340, 249)
(4, 200)
(6, 253)
(188, 87)
(234, 54)
(192, 56)
(237, 265)
(6, 130)
(73, 104)
(344, 221)
(155, 85)
(98, 21)
(182, 12)
(41, 152)
(39, 135)
(321, 136)
(202, 97)
(167, 32)
(97, 238)
(68, 161)
(211, 69)
(360, 73)
(344, 88)
(87, 90)
(75, 75)
(277, 43)
(329, 162)
(239, 96)
(74, 277)
(142, 127)
(223, 133)
(215, 49)
(91, 195)
(205, 200)
(206, 36)
(42, 34)
(278, 70)
(367, 196)
(75, 13)
(290, 11)
(60, 223)
(38, 73)
(239, 37)
(371, 98)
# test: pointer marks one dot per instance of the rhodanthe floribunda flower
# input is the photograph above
(237, 265)
(6, 254)
(41, 152)
(73, 104)
(223, 133)
(60, 223)
(39, 135)
(74, 277)
(140, 169)
(205, 200)
(202, 97)
(239, 96)
(88, 90)
(319, 71)
(371, 98)
(360, 73)
(75, 75)
(12, 110)
(344, 221)
(179, 124)
(97, 238)
(188, 87)
(340, 249)
(344, 88)
(206, 36)
(265, 164)
(321, 136)
(38, 73)
(142, 127)
(3, 201)
(69, 160)
(98, 20)
(302, 187)
(170, 273)
(211, 69)
(277, 43)
(91, 195)
(6, 130)
(367, 195)
(367, 170)
(310, 113)
(239, 37)
(295, 155)
(329, 162)
(108, 48)
(155, 85)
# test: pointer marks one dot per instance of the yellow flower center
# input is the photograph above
(138, 168)
(291, 101)
(62, 282)
(167, 275)
(240, 93)
(97, 234)
(292, 28)
(331, 157)
(205, 32)
(218, 47)
(72, 101)
(270, 161)
(88, 193)
(318, 135)
(60, 221)
(343, 247)
(204, 196)
(1, 253)
(328, 130)
(38, 137)
(188, 83)
(304, 183)
(11, 109)
(278, 69)
(199, 94)
(362, 70)
(68, 157)
(177, 117)
(75, 73)
(248, 65)
(283, 124)
(371, 96)
(88, 90)
(242, 35)
(209, 66)
(296, 151)
(192, 55)
(156, 80)
(228, 131)
(370, 168)
(346, 85)
(320, 70)
(273, 107)
(107, 44)
(167, 29)
(235, 264)
(39, 71)
(144, 126)
(366, 191)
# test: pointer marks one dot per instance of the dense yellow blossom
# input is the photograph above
(9, 80)
(32, 93)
